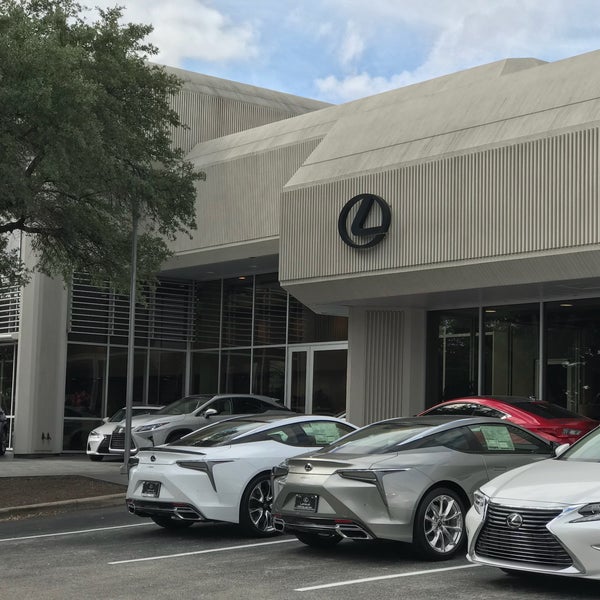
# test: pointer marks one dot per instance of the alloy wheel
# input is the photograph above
(443, 524)
(259, 506)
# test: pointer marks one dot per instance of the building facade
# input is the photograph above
(434, 241)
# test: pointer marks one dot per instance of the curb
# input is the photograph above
(75, 503)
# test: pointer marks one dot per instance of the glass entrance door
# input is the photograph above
(316, 382)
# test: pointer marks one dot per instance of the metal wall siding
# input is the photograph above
(210, 117)
(240, 200)
(535, 196)
(383, 368)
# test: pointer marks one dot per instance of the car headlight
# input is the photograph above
(589, 512)
(95, 434)
(571, 431)
(480, 502)
(150, 427)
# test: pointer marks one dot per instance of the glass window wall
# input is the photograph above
(511, 350)
(452, 354)
(572, 364)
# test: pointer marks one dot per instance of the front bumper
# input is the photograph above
(98, 446)
(576, 545)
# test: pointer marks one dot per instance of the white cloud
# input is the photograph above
(352, 45)
(468, 34)
(345, 49)
(190, 29)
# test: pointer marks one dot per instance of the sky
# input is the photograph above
(341, 50)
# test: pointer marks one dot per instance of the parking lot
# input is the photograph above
(110, 554)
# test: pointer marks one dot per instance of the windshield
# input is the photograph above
(118, 416)
(184, 406)
(217, 434)
(586, 450)
(378, 438)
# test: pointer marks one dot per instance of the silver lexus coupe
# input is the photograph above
(406, 479)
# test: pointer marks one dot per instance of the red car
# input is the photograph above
(549, 421)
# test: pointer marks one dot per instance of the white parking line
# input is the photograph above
(366, 579)
(133, 560)
(45, 535)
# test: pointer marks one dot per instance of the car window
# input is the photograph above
(480, 410)
(458, 408)
(223, 406)
(460, 439)
(325, 432)
(378, 438)
(183, 406)
(247, 406)
(502, 437)
(315, 433)
(219, 433)
(586, 449)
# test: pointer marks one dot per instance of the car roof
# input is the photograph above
(505, 399)
(268, 420)
(438, 420)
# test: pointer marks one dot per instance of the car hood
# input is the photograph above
(549, 482)
(105, 428)
(157, 419)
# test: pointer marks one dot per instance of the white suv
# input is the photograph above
(188, 414)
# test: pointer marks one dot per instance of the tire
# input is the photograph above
(95, 457)
(318, 540)
(256, 518)
(439, 531)
(169, 523)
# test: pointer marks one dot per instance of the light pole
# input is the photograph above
(130, 342)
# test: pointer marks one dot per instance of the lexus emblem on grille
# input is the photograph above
(153, 458)
(308, 467)
(514, 520)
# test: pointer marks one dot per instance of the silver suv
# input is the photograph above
(188, 414)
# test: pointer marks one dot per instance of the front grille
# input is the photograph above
(117, 442)
(531, 543)
(103, 445)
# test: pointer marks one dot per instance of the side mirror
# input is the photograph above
(560, 449)
(105, 419)
(209, 412)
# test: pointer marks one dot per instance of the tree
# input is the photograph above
(85, 144)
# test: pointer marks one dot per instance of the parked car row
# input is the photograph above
(484, 475)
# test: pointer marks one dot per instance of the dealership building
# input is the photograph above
(434, 241)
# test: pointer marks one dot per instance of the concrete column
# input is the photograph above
(386, 364)
(41, 367)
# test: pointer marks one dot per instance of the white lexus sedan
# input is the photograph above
(222, 472)
(543, 517)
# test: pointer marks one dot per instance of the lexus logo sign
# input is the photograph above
(370, 207)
